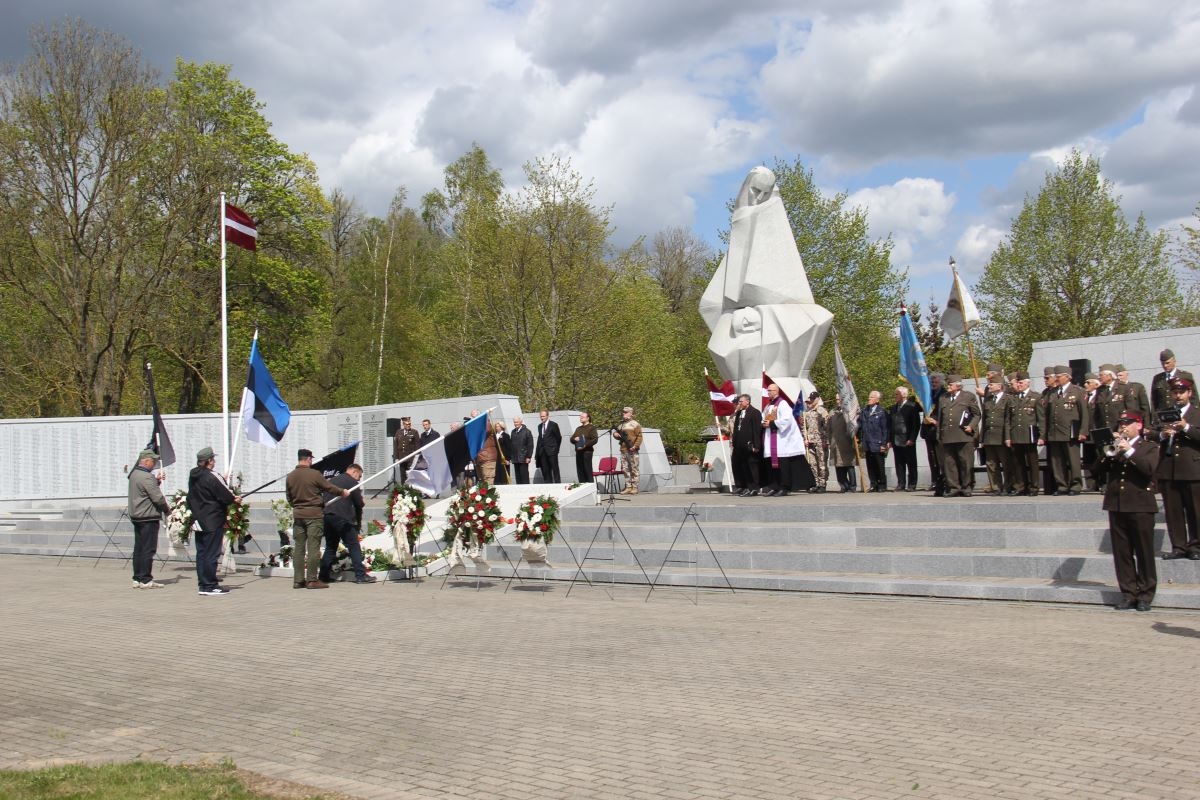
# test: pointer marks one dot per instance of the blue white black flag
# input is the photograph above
(264, 414)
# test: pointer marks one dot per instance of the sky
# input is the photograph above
(938, 118)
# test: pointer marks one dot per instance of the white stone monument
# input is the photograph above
(759, 305)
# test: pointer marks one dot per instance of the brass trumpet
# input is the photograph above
(1112, 450)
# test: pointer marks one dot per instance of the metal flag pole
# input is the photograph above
(224, 347)
(724, 443)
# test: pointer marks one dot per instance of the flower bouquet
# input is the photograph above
(537, 521)
(237, 525)
(471, 522)
(283, 520)
(179, 524)
(406, 516)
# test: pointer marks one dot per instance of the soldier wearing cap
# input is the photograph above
(1131, 506)
(146, 507)
(1179, 472)
(958, 426)
(933, 452)
(1135, 393)
(995, 374)
(1067, 424)
(1024, 422)
(1092, 467)
(1160, 385)
(405, 442)
(996, 454)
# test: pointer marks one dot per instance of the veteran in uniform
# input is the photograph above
(1179, 473)
(1067, 424)
(957, 425)
(995, 450)
(1023, 426)
(1131, 506)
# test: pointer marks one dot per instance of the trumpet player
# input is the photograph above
(1129, 500)
(1179, 470)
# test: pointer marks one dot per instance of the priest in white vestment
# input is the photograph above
(783, 443)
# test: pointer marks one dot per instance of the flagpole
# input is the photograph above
(241, 416)
(224, 349)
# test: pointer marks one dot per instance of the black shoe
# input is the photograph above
(964, 494)
(1073, 492)
(1174, 554)
(782, 493)
(752, 493)
(820, 490)
(1193, 556)
(742, 493)
(939, 494)
(366, 579)
(1143, 605)
(241, 551)
(1126, 605)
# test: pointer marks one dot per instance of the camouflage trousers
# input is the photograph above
(631, 464)
(818, 461)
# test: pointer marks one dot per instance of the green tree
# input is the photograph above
(851, 275)
(1072, 266)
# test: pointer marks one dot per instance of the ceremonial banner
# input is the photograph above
(912, 361)
(723, 397)
(159, 441)
(845, 387)
(240, 229)
(961, 314)
(447, 456)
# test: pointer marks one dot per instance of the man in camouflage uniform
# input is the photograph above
(629, 434)
(816, 440)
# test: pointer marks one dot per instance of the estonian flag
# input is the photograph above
(264, 414)
(447, 456)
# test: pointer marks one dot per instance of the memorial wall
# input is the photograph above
(87, 458)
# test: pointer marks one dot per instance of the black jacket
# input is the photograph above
(209, 499)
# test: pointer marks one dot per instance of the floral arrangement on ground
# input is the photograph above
(179, 519)
(474, 514)
(237, 518)
(537, 519)
(406, 513)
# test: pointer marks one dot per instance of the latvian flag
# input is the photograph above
(240, 228)
(448, 456)
(264, 414)
(766, 398)
(724, 397)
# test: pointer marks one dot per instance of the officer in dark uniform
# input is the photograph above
(1160, 384)
(1179, 473)
(1131, 506)
(1067, 421)
(996, 453)
(1023, 426)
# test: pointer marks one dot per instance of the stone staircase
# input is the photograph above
(1043, 549)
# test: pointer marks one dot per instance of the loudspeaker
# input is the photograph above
(1079, 368)
(393, 425)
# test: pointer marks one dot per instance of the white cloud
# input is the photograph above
(975, 246)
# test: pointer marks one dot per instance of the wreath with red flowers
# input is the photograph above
(475, 514)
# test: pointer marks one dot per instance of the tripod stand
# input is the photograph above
(87, 514)
(692, 514)
(609, 517)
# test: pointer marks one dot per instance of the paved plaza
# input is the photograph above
(414, 691)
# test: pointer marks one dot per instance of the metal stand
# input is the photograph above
(87, 514)
(548, 567)
(610, 515)
(690, 513)
(478, 585)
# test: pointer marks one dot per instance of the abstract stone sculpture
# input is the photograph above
(758, 305)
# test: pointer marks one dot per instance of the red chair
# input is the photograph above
(611, 473)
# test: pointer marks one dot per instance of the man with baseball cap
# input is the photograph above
(1179, 472)
(1131, 506)
(209, 499)
(146, 507)
(303, 487)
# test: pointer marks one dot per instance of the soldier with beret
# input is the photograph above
(1160, 385)
(1067, 424)
(1131, 506)
(1179, 472)
(1024, 422)
(958, 426)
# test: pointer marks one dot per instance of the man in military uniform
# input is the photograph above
(1160, 385)
(1179, 473)
(1097, 411)
(1131, 506)
(957, 424)
(816, 438)
(1135, 393)
(996, 452)
(629, 434)
(1024, 422)
(405, 442)
(1050, 377)
(1067, 424)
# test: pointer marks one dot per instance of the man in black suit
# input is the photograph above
(747, 447)
(1131, 506)
(1179, 473)
(521, 442)
(548, 443)
(1160, 387)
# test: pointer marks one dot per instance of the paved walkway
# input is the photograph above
(406, 691)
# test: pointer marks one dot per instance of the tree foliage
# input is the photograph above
(1072, 266)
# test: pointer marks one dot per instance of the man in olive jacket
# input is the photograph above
(958, 426)
(1023, 426)
(146, 507)
(304, 486)
(1068, 421)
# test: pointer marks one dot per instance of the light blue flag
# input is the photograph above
(912, 361)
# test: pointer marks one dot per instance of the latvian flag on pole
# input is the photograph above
(264, 414)
(240, 228)
(723, 397)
